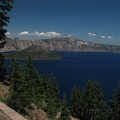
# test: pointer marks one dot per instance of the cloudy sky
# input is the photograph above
(89, 20)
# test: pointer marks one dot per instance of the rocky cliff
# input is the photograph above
(59, 44)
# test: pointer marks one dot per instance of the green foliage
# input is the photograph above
(43, 83)
(23, 85)
(64, 109)
(115, 105)
(5, 7)
(15, 87)
(87, 95)
(2, 69)
(29, 83)
(75, 102)
(52, 87)
(39, 88)
(99, 103)
(51, 108)
(52, 93)
(92, 102)
(26, 85)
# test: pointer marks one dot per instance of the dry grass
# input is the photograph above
(4, 92)
(36, 114)
(72, 118)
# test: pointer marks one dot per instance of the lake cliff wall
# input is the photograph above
(59, 44)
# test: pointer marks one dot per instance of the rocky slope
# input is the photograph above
(59, 44)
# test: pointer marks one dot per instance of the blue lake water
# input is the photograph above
(75, 68)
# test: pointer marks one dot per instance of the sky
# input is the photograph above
(88, 20)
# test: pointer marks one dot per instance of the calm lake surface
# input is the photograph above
(76, 68)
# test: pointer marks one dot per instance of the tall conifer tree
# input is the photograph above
(75, 102)
(51, 108)
(5, 7)
(29, 82)
(93, 105)
(64, 109)
(52, 88)
(16, 76)
(52, 94)
(3, 70)
(42, 86)
(98, 102)
(24, 86)
(115, 105)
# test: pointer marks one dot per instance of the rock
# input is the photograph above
(59, 44)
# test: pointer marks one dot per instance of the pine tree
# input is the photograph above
(39, 89)
(64, 110)
(52, 94)
(42, 86)
(52, 88)
(3, 71)
(98, 102)
(24, 87)
(115, 105)
(51, 108)
(34, 84)
(29, 83)
(87, 95)
(75, 102)
(15, 100)
(92, 102)
(5, 7)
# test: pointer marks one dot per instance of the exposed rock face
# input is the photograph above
(59, 44)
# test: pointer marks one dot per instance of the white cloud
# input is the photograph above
(24, 33)
(7, 33)
(108, 37)
(92, 34)
(52, 34)
(103, 36)
(46, 34)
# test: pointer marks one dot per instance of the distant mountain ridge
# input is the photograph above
(59, 44)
